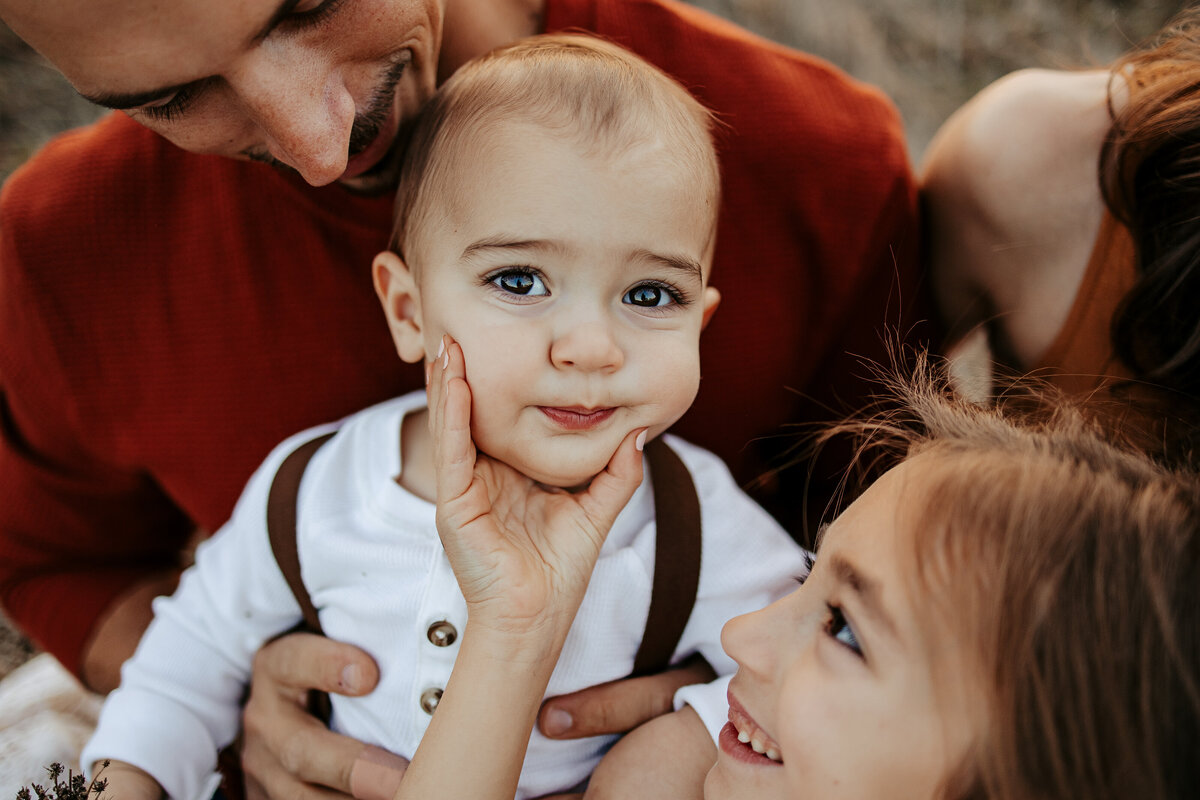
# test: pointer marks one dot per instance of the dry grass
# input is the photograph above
(928, 55)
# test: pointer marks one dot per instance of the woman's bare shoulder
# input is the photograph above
(1011, 192)
(1032, 128)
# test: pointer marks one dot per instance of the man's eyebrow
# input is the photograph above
(867, 589)
(126, 100)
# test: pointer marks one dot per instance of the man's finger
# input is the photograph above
(618, 706)
(312, 763)
(300, 661)
(376, 774)
(287, 753)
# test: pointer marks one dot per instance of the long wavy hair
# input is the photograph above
(1150, 180)
(1069, 563)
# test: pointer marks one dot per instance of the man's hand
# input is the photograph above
(287, 754)
(619, 706)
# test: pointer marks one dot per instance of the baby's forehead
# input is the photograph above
(508, 159)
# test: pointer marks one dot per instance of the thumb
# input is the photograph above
(611, 489)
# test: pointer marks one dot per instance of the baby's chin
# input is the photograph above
(574, 480)
(573, 477)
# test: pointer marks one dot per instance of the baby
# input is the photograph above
(555, 222)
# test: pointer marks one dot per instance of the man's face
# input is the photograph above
(319, 86)
(576, 285)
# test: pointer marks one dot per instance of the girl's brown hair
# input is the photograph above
(1073, 564)
(1150, 179)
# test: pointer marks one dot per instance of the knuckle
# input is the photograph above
(608, 712)
(292, 753)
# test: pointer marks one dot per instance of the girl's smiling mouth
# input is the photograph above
(744, 740)
(576, 418)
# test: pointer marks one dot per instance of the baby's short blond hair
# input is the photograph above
(599, 95)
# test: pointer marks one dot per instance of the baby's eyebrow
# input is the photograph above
(505, 243)
(673, 262)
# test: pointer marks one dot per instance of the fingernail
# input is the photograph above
(428, 369)
(557, 722)
(441, 346)
(640, 441)
(445, 360)
(376, 774)
(351, 677)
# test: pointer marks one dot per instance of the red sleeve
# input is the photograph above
(75, 531)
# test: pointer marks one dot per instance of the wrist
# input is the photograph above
(518, 647)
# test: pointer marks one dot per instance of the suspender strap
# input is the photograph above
(676, 555)
(676, 558)
(281, 529)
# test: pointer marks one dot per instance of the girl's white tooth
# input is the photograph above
(743, 737)
(757, 746)
(772, 754)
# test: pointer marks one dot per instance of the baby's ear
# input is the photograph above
(397, 290)
(711, 299)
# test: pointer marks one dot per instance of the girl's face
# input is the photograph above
(839, 687)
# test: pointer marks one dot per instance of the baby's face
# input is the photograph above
(577, 287)
(839, 683)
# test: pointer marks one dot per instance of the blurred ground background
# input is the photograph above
(930, 56)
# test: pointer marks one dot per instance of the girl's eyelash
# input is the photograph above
(809, 560)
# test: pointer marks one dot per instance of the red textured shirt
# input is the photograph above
(166, 318)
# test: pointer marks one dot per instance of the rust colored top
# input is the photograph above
(1081, 360)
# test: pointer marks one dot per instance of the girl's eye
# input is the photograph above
(840, 629)
(520, 282)
(652, 295)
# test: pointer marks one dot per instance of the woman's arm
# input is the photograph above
(523, 556)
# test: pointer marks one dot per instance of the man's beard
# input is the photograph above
(367, 125)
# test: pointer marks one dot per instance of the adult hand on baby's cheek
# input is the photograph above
(286, 752)
(522, 553)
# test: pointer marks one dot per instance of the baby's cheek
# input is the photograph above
(674, 383)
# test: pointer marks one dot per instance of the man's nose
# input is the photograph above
(587, 345)
(301, 108)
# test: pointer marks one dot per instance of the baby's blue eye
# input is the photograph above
(522, 282)
(650, 295)
(840, 629)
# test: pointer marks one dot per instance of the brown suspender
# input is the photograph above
(676, 558)
(676, 552)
